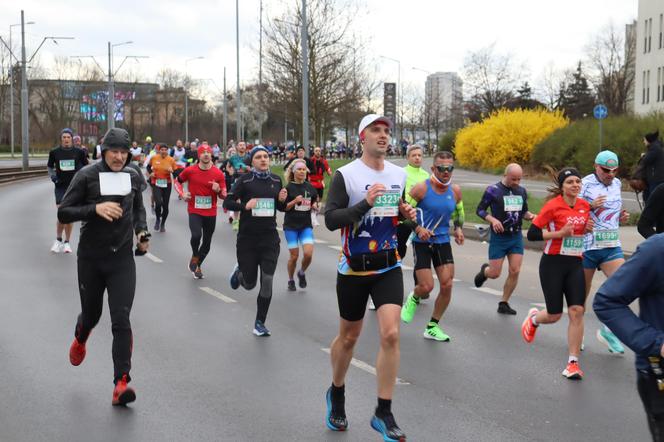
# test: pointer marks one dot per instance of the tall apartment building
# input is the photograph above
(444, 101)
(649, 80)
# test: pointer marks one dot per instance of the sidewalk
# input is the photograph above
(629, 237)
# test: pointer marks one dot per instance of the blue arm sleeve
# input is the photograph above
(484, 204)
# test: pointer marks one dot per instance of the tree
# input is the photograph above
(524, 99)
(577, 99)
(612, 59)
(491, 80)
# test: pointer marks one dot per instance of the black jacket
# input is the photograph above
(653, 164)
(99, 237)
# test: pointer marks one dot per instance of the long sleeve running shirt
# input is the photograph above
(508, 205)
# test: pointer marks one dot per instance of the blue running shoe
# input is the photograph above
(235, 277)
(388, 427)
(606, 337)
(260, 329)
(335, 421)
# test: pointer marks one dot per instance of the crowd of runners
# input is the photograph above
(380, 210)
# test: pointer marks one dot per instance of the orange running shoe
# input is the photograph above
(573, 371)
(122, 394)
(528, 330)
(76, 353)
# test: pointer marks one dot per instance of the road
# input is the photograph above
(201, 375)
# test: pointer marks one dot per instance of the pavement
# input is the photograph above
(201, 375)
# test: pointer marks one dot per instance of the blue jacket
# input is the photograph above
(642, 278)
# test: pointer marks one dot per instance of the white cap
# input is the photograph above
(370, 119)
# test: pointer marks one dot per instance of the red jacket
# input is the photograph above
(317, 176)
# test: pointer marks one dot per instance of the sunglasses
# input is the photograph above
(605, 170)
(443, 169)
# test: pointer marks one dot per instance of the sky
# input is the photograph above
(433, 35)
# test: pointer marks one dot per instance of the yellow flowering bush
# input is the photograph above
(507, 136)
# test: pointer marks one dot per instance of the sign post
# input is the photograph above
(600, 112)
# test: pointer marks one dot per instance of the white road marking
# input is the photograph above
(488, 290)
(320, 241)
(366, 367)
(153, 258)
(405, 267)
(218, 295)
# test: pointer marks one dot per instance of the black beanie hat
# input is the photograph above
(652, 137)
(567, 172)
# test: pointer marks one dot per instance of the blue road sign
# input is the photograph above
(600, 112)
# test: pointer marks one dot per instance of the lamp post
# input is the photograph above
(111, 86)
(186, 97)
(397, 126)
(225, 130)
(11, 89)
(305, 79)
(238, 98)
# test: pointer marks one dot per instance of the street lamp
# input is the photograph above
(111, 87)
(399, 90)
(186, 97)
(11, 88)
(238, 97)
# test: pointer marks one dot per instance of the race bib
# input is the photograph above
(304, 206)
(67, 165)
(114, 183)
(386, 204)
(161, 182)
(202, 202)
(264, 207)
(606, 238)
(572, 246)
(513, 203)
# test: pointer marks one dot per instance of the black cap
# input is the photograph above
(116, 138)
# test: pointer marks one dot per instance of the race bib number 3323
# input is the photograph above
(387, 204)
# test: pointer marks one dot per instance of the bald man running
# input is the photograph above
(509, 207)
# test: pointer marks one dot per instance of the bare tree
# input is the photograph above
(611, 56)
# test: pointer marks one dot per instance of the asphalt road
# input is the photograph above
(200, 374)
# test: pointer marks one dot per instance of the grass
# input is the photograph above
(472, 197)
(334, 165)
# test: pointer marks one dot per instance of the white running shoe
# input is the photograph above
(57, 247)
(66, 247)
(371, 305)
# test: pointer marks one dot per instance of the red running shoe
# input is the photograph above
(122, 394)
(528, 330)
(573, 371)
(76, 353)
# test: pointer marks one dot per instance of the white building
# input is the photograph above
(649, 80)
(444, 101)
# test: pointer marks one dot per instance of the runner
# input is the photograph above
(509, 207)
(601, 247)
(161, 168)
(364, 202)
(414, 174)
(320, 167)
(302, 199)
(561, 273)
(241, 164)
(256, 195)
(205, 183)
(78, 144)
(106, 197)
(136, 153)
(438, 201)
(63, 163)
(651, 220)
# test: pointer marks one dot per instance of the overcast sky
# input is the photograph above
(433, 35)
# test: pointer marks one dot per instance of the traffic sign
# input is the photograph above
(600, 112)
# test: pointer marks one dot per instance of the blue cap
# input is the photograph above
(256, 149)
(67, 130)
(607, 159)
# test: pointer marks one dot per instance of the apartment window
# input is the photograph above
(648, 87)
(650, 35)
(661, 30)
(643, 90)
(645, 37)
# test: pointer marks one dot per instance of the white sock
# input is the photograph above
(533, 320)
(572, 359)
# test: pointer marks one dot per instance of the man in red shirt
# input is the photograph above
(205, 183)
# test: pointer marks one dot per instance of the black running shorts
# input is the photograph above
(562, 276)
(353, 292)
(438, 254)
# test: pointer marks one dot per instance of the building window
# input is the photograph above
(661, 29)
(648, 88)
(643, 90)
(645, 37)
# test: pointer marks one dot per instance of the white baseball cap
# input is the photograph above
(370, 119)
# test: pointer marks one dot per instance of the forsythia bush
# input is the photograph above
(507, 136)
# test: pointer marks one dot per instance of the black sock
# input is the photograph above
(338, 393)
(59, 238)
(384, 407)
(66, 241)
(432, 320)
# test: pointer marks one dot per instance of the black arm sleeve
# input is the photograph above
(535, 233)
(138, 210)
(337, 212)
(149, 168)
(648, 219)
(231, 201)
(72, 207)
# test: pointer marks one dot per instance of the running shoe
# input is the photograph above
(291, 285)
(528, 330)
(409, 308)
(573, 371)
(57, 246)
(505, 309)
(122, 394)
(230, 220)
(66, 247)
(162, 229)
(335, 419)
(606, 337)
(301, 279)
(198, 273)
(76, 353)
(387, 426)
(156, 225)
(260, 329)
(236, 224)
(481, 278)
(370, 304)
(433, 331)
(193, 263)
(235, 277)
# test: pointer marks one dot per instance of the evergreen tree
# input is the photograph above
(577, 99)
